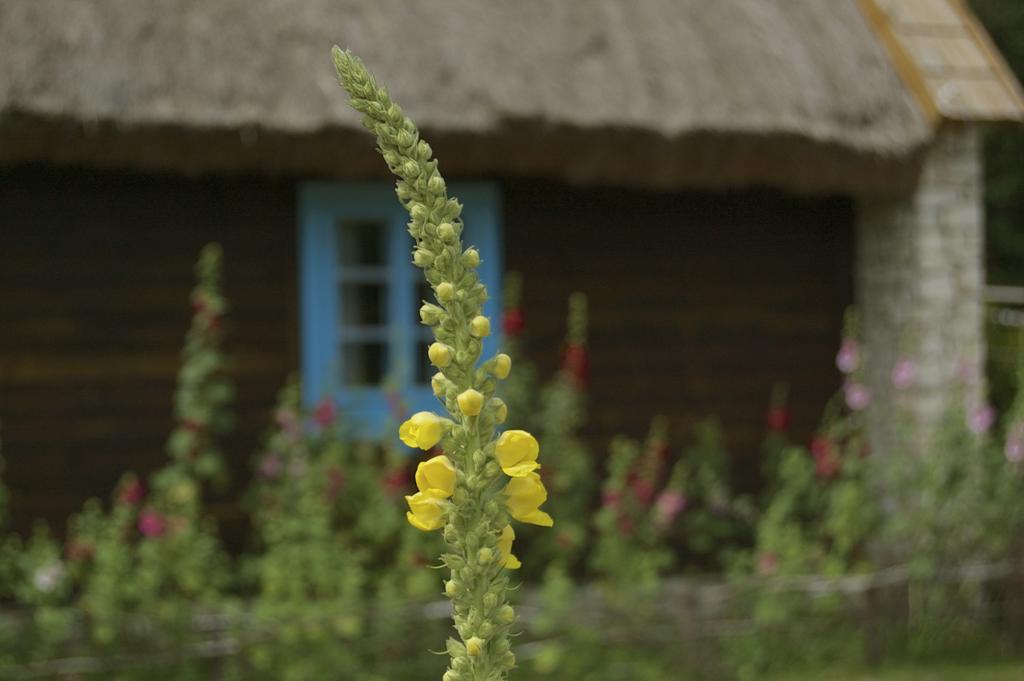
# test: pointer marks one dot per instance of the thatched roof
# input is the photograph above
(795, 93)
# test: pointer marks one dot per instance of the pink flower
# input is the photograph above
(981, 418)
(826, 460)
(1015, 443)
(271, 466)
(903, 373)
(288, 421)
(848, 358)
(670, 504)
(151, 523)
(325, 413)
(858, 397)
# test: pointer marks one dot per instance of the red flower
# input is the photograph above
(826, 459)
(610, 498)
(643, 490)
(777, 419)
(395, 482)
(132, 492)
(577, 362)
(325, 413)
(152, 523)
(513, 322)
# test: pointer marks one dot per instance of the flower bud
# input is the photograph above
(445, 291)
(438, 383)
(478, 458)
(410, 169)
(471, 258)
(506, 614)
(422, 257)
(419, 211)
(436, 184)
(485, 555)
(485, 629)
(451, 588)
(405, 139)
(490, 600)
(423, 150)
(480, 326)
(502, 365)
(440, 355)
(430, 314)
(446, 232)
(500, 410)
(475, 646)
(470, 402)
(451, 675)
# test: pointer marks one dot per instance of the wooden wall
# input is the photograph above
(699, 302)
(95, 274)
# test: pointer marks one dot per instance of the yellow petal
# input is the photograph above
(505, 548)
(426, 510)
(423, 430)
(536, 517)
(521, 470)
(406, 434)
(436, 473)
(516, 447)
(524, 498)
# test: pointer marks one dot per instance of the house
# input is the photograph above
(722, 178)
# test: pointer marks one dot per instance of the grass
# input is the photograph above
(945, 672)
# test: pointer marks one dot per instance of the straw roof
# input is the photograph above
(792, 93)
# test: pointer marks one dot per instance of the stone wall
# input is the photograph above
(920, 279)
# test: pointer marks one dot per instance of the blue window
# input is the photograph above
(362, 341)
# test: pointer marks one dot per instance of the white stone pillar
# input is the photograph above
(920, 281)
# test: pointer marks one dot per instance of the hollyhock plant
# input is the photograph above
(981, 418)
(856, 395)
(670, 503)
(152, 523)
(325, 413)
(848, 357)
(1014, 449)
(904, 371)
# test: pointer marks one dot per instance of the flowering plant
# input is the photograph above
(473, 489)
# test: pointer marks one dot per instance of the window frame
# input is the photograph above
(369, 410)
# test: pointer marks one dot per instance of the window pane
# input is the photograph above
(424, 294)
(363, 304)
(363, 364)
(362, 242)
(424, 369)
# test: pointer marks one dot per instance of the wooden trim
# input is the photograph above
(995, 58)
(904, 64)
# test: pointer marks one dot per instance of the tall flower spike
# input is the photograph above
(475, 517)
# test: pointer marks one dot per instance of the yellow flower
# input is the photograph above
(505, 548)
(480, 326)
(502, 365)
(517, 453)
(525, 495)
(440, 355)
(424, 429)
(426, 510)
(436, 475)
(470, 402)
